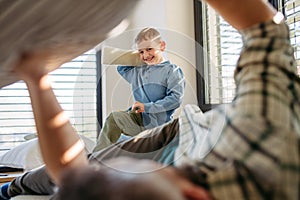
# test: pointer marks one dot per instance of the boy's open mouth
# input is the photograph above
(149, 59)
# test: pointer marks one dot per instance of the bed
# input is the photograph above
(31, 197)
(26, 157)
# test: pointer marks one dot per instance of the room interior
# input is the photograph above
(89, 90)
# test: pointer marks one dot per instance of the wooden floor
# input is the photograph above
(8, 176)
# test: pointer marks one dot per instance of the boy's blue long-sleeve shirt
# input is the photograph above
(159, 87)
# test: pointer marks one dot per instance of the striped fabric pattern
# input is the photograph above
(250, 148)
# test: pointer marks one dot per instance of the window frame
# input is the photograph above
(199, 32)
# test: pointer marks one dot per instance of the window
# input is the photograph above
(291, 10)
(219, 48)
(74, 84)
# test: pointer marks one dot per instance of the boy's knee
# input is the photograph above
(110, 118)
(116, 117)
(112, 115)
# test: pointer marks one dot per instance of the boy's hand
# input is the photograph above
(138, 107)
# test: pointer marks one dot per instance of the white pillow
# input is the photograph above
(28, 156)
(116, 56)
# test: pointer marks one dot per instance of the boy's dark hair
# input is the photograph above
(108, 184)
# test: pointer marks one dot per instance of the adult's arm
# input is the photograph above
(236, 148)
(245, 13)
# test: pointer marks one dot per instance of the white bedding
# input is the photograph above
(31, 197)
(27, 155)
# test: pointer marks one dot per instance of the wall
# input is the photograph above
(174, 19)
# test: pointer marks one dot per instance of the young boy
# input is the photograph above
(157, 87)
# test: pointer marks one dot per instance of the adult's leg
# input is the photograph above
(157, 144)
(129, 123)
(33, 182)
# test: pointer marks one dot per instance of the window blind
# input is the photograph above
(291, 9)
(74, 84)
(222, 45)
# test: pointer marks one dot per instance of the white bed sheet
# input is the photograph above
(31, 197)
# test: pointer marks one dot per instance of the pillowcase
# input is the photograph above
(28, 156)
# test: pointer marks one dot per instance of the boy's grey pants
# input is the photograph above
(126, 122)
(157, 144)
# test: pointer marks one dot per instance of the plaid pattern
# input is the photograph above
(250, 148)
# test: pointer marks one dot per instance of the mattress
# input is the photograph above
(31, 197)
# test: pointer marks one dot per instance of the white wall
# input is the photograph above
(174, 19)
(181, 43)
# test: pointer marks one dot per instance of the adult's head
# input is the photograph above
(126, 179)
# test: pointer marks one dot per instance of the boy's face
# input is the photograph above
(151, 52)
